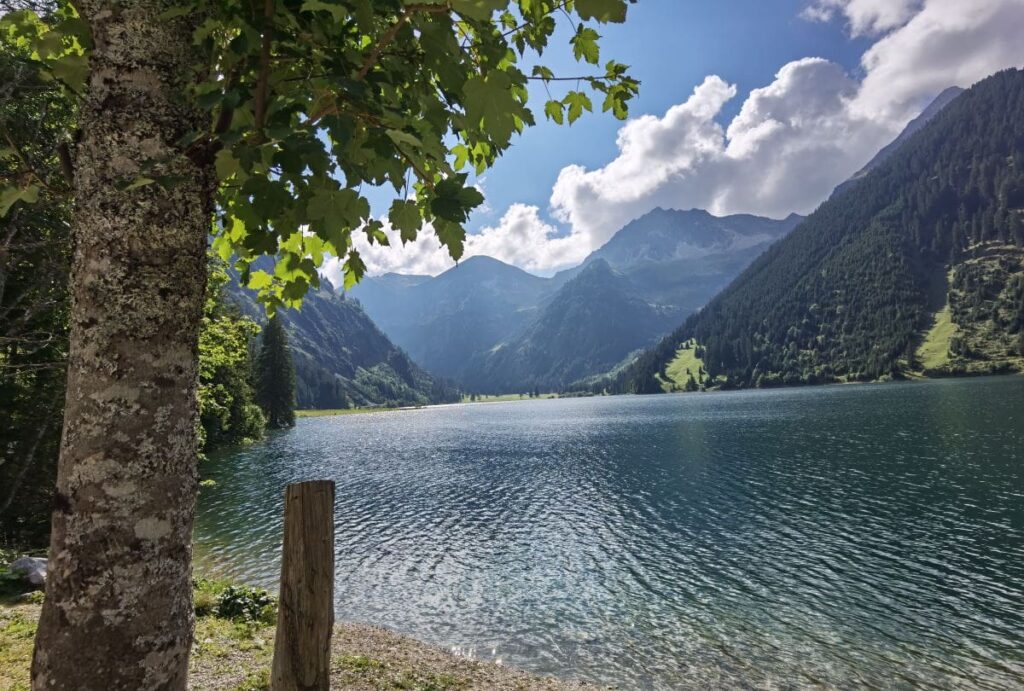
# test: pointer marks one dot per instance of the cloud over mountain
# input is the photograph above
(791, 143)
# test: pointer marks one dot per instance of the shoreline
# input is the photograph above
(236, 655)
(908, 378)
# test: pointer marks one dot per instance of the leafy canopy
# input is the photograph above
(312, 102)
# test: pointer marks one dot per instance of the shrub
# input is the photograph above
(246, 603)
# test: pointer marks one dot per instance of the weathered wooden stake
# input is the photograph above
(305, 618)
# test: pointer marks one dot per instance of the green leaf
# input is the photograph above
(406, 218)
(577, 101)
(139, 182)
(226, 164)
(453, 200)
(10, 195)
(400, 137)
(461, 153)
(602, 10)
(555, 111)
(338, 12)
(489, 100)
(337, 206)
(72, 69)
(451, 236)
(260, 280)
(584, 45)
(354, 269)
(478, 9)
(543, 72)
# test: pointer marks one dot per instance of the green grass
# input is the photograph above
(507, 397)
(342, 411)
(17, 633)
(685, 359)
(934, 351)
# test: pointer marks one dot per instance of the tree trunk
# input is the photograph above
(305, 615)
(118, 610)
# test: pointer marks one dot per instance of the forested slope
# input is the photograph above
(343, 360)
(854, 292)
(585, 328)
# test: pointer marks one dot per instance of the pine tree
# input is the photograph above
(275, 377)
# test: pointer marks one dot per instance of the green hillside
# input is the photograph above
(852, 293)
(583, 329)
(343, 360)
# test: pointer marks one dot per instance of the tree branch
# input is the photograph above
(263, 81)
(66, 163)
(390, 34)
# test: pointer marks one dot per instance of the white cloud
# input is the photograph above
(948, 42)
(791, 142)
(520, 238)
(864, 17)
(789, 145)
(794, 140)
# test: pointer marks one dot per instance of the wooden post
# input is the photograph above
(305, 617)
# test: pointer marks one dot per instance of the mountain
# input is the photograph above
(445, 321)
(917, 269)
(342, 359)
(669, 262)
(933, 109)
(680, 259)
(585, 327)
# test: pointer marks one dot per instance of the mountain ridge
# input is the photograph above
(675, 261)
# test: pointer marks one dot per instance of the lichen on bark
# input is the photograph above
(118, 612)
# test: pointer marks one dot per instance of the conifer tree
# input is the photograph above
(275, 377)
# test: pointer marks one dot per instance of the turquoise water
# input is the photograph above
(838, 536)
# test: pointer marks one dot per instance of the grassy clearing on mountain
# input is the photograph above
(687, 366)
(981, 329)
(934, 351)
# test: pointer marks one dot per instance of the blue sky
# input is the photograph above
(746, 106)
(670, 45)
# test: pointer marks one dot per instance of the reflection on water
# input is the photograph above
(861, 535)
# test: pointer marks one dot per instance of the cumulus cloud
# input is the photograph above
(795, 139)
(864, 17)
(791, 143)
(521, 238)
(948, 42)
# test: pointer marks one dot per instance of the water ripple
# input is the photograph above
(841, 537)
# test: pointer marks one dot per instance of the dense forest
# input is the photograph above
(854, 291)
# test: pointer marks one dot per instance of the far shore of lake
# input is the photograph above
(509, 398)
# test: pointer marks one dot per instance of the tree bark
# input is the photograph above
(118, 611)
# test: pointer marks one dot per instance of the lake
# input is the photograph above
(868, 535)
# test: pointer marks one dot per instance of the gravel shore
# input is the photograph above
(232, 656)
